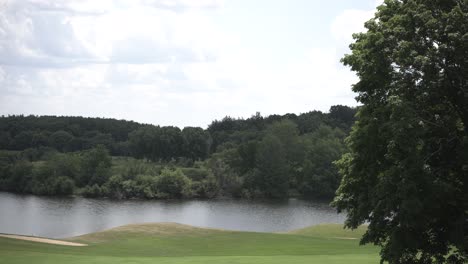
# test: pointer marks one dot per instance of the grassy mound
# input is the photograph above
(176, 243)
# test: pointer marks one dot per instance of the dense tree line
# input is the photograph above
(65, 134)
(272, 157)
(165, 143)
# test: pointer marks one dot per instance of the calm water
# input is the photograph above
(65, 217)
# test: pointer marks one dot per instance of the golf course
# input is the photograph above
(177, 243)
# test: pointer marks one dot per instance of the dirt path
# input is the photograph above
(44, 240)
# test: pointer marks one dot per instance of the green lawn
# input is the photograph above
(174, 243)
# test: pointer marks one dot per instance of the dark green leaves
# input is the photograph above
(404, 174)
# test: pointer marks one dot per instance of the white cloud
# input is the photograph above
(179, 5)
(318, 79)
(378, 3)
(349, 22)
(66, 33)
(2, 75)
(156, 61)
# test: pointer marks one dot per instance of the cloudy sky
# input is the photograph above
(176, 62)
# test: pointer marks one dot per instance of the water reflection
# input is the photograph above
(65, 217)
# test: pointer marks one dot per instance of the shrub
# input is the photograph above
(173, 184)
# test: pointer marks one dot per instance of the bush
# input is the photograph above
(173, 184)
(63, 186)
(195, 174)
(92, 191)
(207, 188)
(114, 187)
(131, 168)
(146, 186)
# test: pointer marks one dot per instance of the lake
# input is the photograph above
(70, 216)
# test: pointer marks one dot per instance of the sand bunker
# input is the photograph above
(44, 240)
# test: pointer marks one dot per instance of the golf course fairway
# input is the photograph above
(175, 243)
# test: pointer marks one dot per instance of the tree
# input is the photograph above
(342, 116)
(21, 174)
(22, 140)
(171, 142)
(143, 142)
(288, 134)
(320, 176)
(196, 143)
(95, 166)
(272, 169)
(406, 174)
(247, 152)
(60, 140)
(227, 179)
(5, 139)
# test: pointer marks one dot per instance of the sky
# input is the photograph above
(176, 62)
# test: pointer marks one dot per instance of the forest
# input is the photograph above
(277, 156)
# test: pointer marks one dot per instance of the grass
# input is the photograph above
(334, 231)
(175, 243)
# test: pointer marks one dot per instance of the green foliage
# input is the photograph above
(320, 177)
(20, 176)
(130, 168)
(165, 143)
(60, 140)
(63, 185)
(168, 184)
(146, 186)
(96, 164)
(406, 173)
(207, 188)
(247, 152)
(173, 184)
(5, 139)
(64, 165)
(287, 133)
(22, 140)
(271, 174)
(293, 147)
(196, 143)
(342, 117)
(227, 179)
(230, 158)
(51, 185)
(55, 176)
(115, 187)
(31, 154)
(196, 174)
(93, 191)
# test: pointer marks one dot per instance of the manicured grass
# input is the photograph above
(174, 243)
(328, 230)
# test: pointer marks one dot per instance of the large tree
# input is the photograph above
(406, 174)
